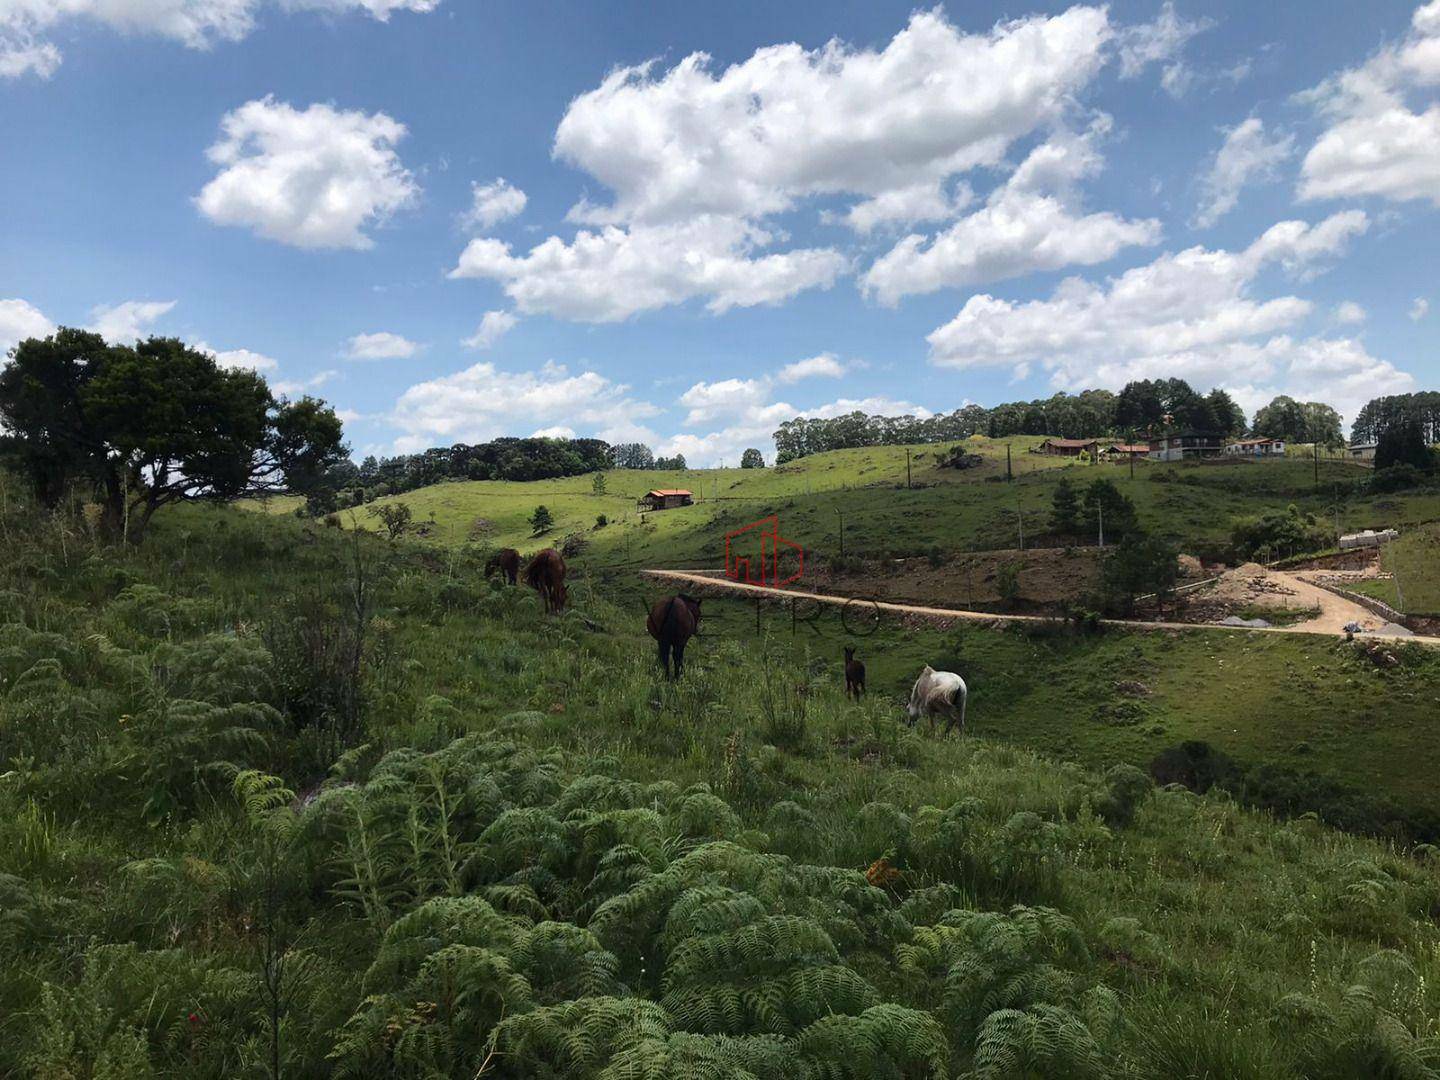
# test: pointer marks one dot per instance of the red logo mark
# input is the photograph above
(738, 567)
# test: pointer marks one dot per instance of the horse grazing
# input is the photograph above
(854, 675)
(939, 692)
(546, 575)
(672, 622)
(507, 561)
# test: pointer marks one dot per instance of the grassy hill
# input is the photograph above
(948, 509)
(1412, 563)
(279, 798)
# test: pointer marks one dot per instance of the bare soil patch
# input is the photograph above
(1044, 579)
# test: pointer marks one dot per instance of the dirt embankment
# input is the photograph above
(1039, 579)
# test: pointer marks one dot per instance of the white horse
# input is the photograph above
(939, 692)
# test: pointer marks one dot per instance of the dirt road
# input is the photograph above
(1259, 589)
(1333, 607)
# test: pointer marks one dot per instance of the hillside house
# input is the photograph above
(666, 499)
(1184, 445)
(1260, 448)
(1363, 451)
(1068, 447)
(1124, 451)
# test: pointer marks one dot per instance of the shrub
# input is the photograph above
(1007, 583)
(396, 518)
(1287, 531)
(1401, 476)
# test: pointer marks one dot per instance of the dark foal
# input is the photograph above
(507, 562)
(546, 575)
(854, 675)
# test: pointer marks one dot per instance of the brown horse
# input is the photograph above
(854, 675)
(507, 561)
(672, 622)
(546, 575)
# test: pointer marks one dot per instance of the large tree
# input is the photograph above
(1229, 417)
(152, 424)
(1404, 444)
(1298, 421)
(1140, 407)
(633, 456)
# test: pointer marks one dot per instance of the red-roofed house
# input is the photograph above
(1068, 447)
(666, 498)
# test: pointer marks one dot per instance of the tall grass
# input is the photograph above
(515, 850)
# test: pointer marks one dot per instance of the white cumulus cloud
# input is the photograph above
(197, 24)
(789, 122)
(825, 365)
(19, 319)
(1161, 41)
(124, 324)
(613, 273)
(1419, 308)
(1350, 313)
(482, 402)
(1031, 222)
(1383, 137)
(1190, 314)
(314, 178)
(755, 423)
(1246, 156)
(494, 325)
(382, 345)
(239, 359)
(493, 203)
(697, 160)
(744, 412)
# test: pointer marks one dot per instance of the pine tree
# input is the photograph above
(1065, 509)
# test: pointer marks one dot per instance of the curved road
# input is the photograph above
(715, 580)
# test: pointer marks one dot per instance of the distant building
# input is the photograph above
(1184, 445)
(1124, 451)
(1068, 447)
(1256, 448)
(666, 499)
(1363, 451)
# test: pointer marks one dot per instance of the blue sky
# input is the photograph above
(714, 217)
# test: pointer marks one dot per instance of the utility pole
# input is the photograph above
(1100, 508)
(841, 516)
(1019, 513)
(907, 468)
(1009, 475)
(1131, 453)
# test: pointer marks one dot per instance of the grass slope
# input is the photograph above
(973, 509)
(510, 869)
(1413, 564)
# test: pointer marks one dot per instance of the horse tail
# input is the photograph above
(669, 620)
